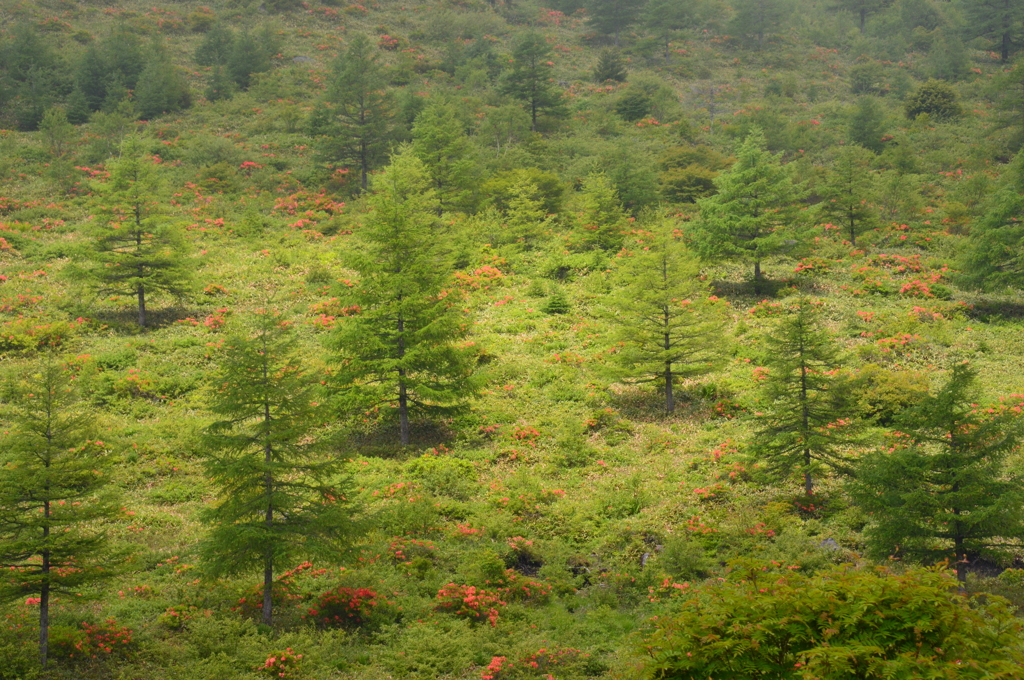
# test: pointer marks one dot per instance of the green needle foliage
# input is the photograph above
(867, 124)
(943, 488)
(994, 257)
(999, 21)
(137, 250)
(402, 349)
(842, 623)
(356, 125)
(760, 18)
(280, 498)
(610, 66)
(610, 17)
(804, 421)
(668, 327)
(530, 81)
(439, 141)
(755, 204)
(51, 494)
(846, 191)
(861, 8)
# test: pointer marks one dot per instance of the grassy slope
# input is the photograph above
(593, 475)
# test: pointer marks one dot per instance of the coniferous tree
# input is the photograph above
(867, 124)
(1001, 21)
(667, 19)
(356, 127)
(441, 144)
(994, 254)
(668, 328)
(804, 423)
(862, 8)
(1007, 89)
(529, 79)
(610, 66)
(748, 216)
(59, 135)
(250, 54)
(601, 221)
(137, 250)
(760, 17)
(162, 88)
(216, 46)
(221, 86)
(125, 57)
(91, 78)
(610, 17)
(280, 499)
(52, 499)
(402, 347)
(943, 488)
(846, 190)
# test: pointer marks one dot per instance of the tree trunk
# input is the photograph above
(403, 395)
(863, 19)
(805, 421)
(670, 404)
(268, 520)
(853, 230)
(141, 294)
(961, 563)
(757, 276)
(268, 588)
(403, 408)
(44, 600)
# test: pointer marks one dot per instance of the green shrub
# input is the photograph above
(935, 98)
(763, 622)
(444, 475)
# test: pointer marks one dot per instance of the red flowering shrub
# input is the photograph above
(533, 665)
(281, 664)
(92, 641)
(343, 607)
(469, 602)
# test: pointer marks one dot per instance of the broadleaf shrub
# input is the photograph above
(343, 607)
(770, 622)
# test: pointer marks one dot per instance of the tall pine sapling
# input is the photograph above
(403, 348)
(137, 250)
(943, 488)
(993, 256)
(441, 143)
(529, 80)
(355, 127)
(754, 207)
(52, 500)
(667, 325)
(804, 422)
(846, 190)
(279, 497)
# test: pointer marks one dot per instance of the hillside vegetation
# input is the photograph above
(677, 338)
